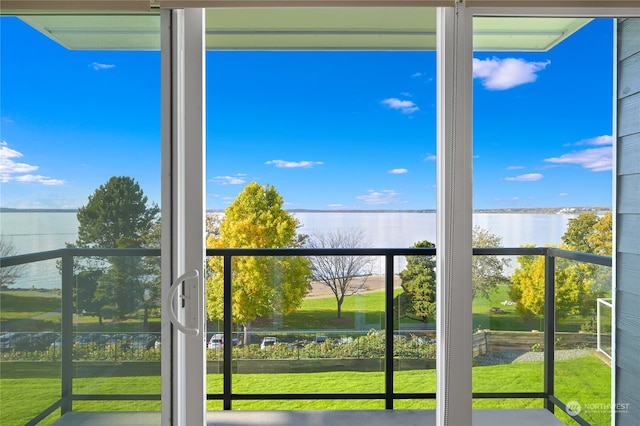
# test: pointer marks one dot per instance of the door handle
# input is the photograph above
(175, 286)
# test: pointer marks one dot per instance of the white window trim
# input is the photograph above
(183, 215)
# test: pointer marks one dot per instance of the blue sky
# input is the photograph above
(330, 130)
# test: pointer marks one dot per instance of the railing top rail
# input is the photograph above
(408, 251)
(579, 256)
(510, 251)
(379, 251)
(114, 251)
(21, 259)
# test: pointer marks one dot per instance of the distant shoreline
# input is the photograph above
(12, 210)
(523, 210)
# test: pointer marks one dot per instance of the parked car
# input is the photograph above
(268, 342)
(144, 341)
(217, 341)
(40, 341)
(122, 341)
(56, 343)
(13, 340)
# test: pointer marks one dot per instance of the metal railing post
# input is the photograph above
(598, 335)
(66, 343)
(549, 329)
(228, 341)
(388, 311)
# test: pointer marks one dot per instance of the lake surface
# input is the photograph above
(30, 232)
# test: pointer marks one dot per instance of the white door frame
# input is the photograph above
(183, 217)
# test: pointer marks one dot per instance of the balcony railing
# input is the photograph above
(66, 258)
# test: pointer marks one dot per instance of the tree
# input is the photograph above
(487, 272)
(338, 272)
(86, 284)
(578, 284)
(8, 274)
(576, 237)
(419, 284)
(117, 216)
(151, 278)
(262, 285)
(601, 239)
(117, 210)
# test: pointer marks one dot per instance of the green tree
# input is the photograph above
(419, 276)
(589, 233)
(86, 284)
(151, 277)
(601, 239)
(117, 210)
(578, 284)
(262, 285)
(338, 272)
(487, 272)
(117, 216)
(419, 285)
(579, 228)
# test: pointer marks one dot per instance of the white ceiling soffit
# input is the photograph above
(339, 28)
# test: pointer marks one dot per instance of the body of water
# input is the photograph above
(30, 232)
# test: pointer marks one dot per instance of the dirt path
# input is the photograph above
(369, 284)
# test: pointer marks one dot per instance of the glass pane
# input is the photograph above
(80, 171)
(542, 160)
(576, 340)
(301, 113)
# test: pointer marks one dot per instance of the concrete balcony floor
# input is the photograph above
(520, 417)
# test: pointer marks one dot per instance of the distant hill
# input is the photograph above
(527, 210)
(10, 210)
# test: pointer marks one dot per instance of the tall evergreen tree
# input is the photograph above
(117, 216)
(419, 284)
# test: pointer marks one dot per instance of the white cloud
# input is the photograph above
(294, 164)
(385, 196)
(406, 107)
(11, 170)
(563, 194)
(98, 66)
(527, 177)
(238, 179)
(594, 159)
(430, 157)
(45, 180)
(502, 74)
(398, 171)
(416, 74)
(598, 140)
(515, 167)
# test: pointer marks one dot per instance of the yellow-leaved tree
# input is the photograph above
(577, 284)
(262, 285)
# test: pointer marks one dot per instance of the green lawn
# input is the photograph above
(18, 309)
(320, 314)
(362, 312)
(586, 380)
